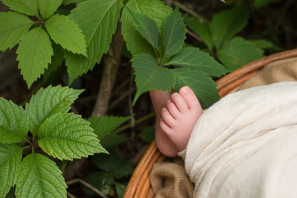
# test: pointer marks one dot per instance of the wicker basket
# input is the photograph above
(139, 185)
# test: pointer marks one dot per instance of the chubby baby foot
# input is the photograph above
(179, 117)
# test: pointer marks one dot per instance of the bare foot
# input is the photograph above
(180, 116)
(164, 144)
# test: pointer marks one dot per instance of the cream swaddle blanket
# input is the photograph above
(245, 145)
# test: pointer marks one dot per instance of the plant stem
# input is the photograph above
(188, 10)
(87, 185)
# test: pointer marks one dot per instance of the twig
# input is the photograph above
(70, 195)
(130, 102)
(168, 3)
(186, 9)
(87, 185)
(194, 35)
(120, 98)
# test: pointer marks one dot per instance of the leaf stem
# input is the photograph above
(87, 185)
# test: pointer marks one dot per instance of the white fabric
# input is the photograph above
(245, 145)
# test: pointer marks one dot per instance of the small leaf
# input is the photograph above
(47, 102)
(227, 23)
(202, 85)
(148, 134)
(10, 158)
(174, 33)
(120, 189)
(13, 26)
(105, 125)
(38, 176)
(101, 181)
(201, 28)
(115, 165)
(154, 9)
(98, 21)
(65, 32)
(147, 27)
(34, 54)
(149, 76)
(259, 3)
(13, 122)
(68, 136)
(29, 7)
(198, 60)
(111, 140)
(48, 7)
(238, 52)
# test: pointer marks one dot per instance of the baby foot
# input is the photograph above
(179, 117)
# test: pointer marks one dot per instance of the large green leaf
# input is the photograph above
(29, 7)
(48, 7)
(47, 102)
(260, 3)
(202, 29)
(13, 26)
(149, 76)
(147, 27)
(105, 125)
(154, 9)
(66, 33)
(202, 85)
(13, 122)
(198, 60)
(98, 20)
(38, 176)
(174, 33)
(67, 2)
(227, 23)
(34, 54)
(238, 52)
(68, 136)
(10, 158)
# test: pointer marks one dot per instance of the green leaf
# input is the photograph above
(149, 76)
(147, 27)
(98, 20)
(38, 176)
(68, 136)
(48, 7)
(227, 23)
(101, 181)
(105, 125)
(238, 52)
(154, 9)
(202, 29)
(259, 3)
(202, 85)
(67, 2)
(174, 33)
(65, 32)
(29, 7)
(13, 122)
(111, 140)
(264, 44)
(148, 134)
(198, 60)
(115, 165)
(34, 54)
(13, 26)
(10, 158)
(120, 189)
(47, 102)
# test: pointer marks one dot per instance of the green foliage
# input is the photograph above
(260, 3)
(29, 7)
(48, 7)
(148, 134)
(60, 134)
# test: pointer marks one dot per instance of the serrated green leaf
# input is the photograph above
(105, 125)
(154, 9)
(259, 3)
(98, 20)
(115, 165)
(174, 33)
(68, 136)
(238, 52)
(111, 140)
(67, 2)
(13, 26)
(10, 158)
(264, 44)
(14, 123)
(147, 27)
(38, 176)
(47, 102)
(65, 32)
(48, 7)
(202, 85)
(201, 28)
(198, 60)
(29, 7)
(149, 76)
(227, 23)
(34, 54)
